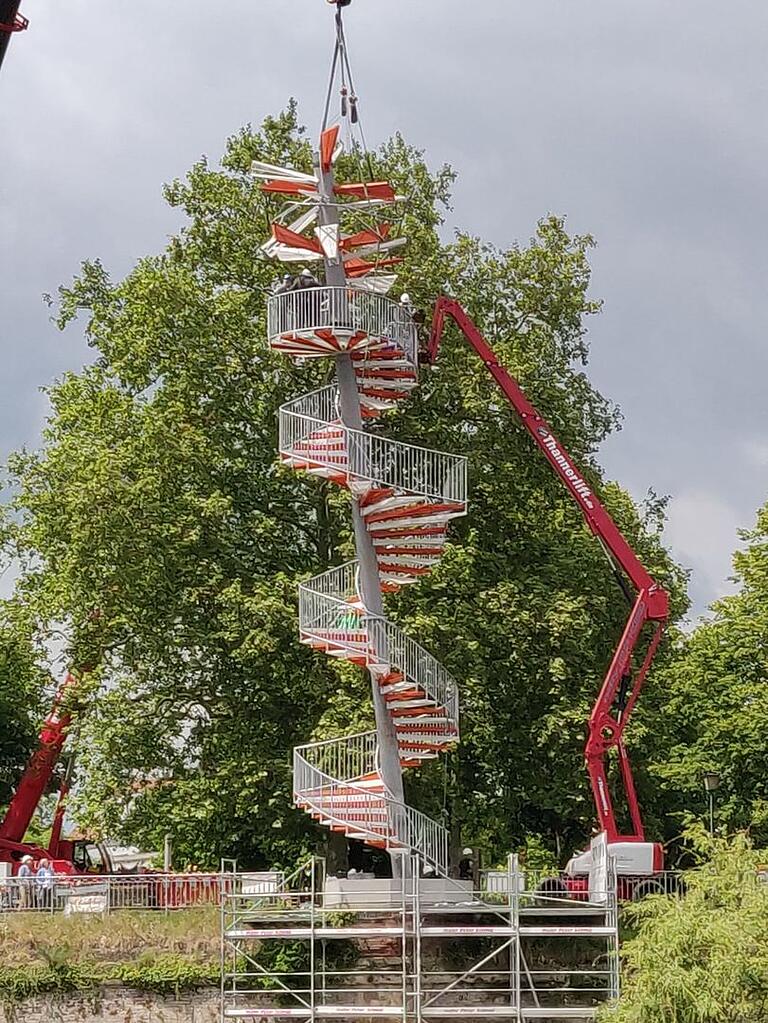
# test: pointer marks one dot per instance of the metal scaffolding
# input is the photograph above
(421, 949)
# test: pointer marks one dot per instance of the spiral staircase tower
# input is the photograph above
(403, 499)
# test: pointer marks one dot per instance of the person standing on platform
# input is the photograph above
(308, 301)
(44, 879)
(26, 875)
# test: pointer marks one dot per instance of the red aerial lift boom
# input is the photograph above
(67, 856)
(624, 679)
(39, 770)
(10, 22)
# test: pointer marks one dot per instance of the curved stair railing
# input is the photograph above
(407, 496)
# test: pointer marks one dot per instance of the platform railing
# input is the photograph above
(377, 814)
(343, 311)
(339, 582)
(419, 833)
(339, 802)
(407, 467)
(327, 606)
(417, 664)
(325, 613)
(365, 456)
(346, 759)
(306, 415)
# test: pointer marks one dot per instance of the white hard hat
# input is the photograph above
(466, 852)
(26, 859)
(405, 298)
(306, 272)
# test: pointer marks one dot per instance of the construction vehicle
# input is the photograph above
(11, 22)
(635, 856)
(67, 856)
(80, 865)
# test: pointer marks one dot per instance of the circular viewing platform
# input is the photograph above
(319, 321)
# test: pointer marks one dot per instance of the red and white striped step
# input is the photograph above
(409, 530)
(358, 810)
(424, 729)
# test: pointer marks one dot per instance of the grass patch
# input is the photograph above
(42, 954)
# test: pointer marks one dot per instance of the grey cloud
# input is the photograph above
(644, 123)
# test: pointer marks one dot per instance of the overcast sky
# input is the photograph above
(643, 122)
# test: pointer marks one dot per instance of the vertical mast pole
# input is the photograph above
(369, 581)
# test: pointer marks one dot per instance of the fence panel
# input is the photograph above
(91, 893)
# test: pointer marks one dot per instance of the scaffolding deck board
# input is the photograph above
(248, 933)
(352, 1011)
(447, 931)
(563, 1012)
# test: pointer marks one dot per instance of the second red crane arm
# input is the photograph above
(41, 766)
(621, 686)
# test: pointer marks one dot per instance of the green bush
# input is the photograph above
(701, 957)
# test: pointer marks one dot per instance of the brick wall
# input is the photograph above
(115, 1004)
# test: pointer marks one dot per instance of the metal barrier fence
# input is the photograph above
(629, 887)
(93, 893)
(70, 894)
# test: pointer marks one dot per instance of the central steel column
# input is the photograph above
(369, 581)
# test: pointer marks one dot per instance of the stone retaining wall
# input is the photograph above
(115, 1004)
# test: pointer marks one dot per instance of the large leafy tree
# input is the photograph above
(717, 709)
(157, 523)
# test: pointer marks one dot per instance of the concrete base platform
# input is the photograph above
(366, 892)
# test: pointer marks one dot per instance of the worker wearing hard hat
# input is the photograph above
(466, 865)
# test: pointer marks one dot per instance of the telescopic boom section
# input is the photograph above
(624, 679)
(38, 773)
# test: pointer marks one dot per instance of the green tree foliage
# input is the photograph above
(701, 958)
(157, 502)
(717, 715)
(21, 688)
